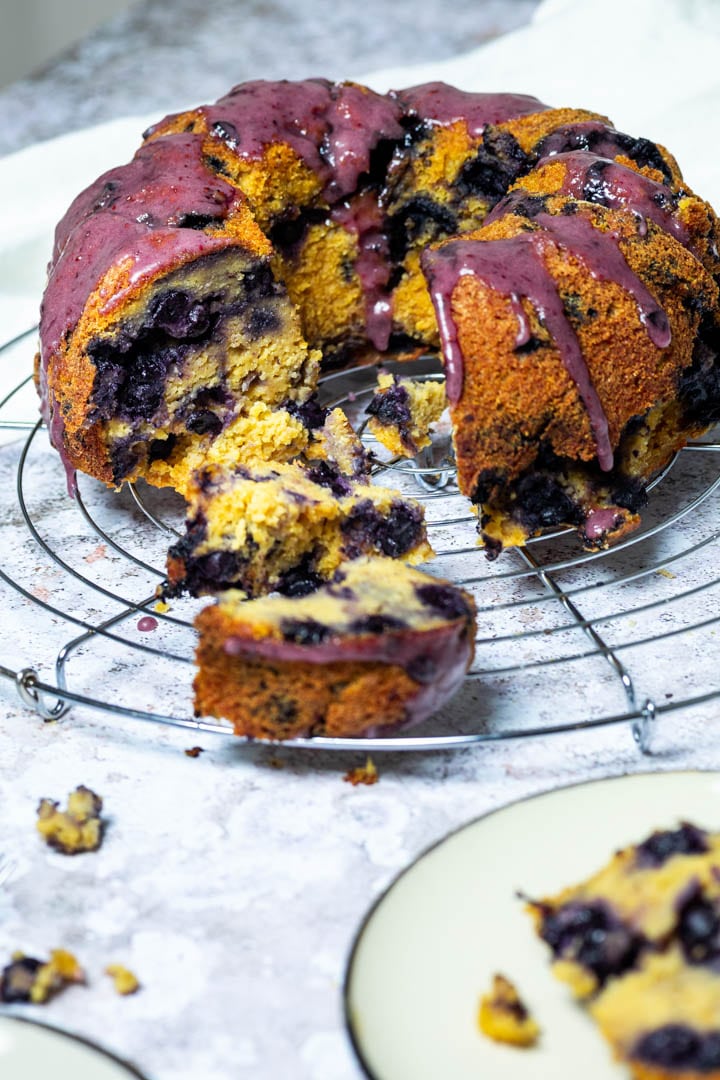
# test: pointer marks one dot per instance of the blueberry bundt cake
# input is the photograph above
(380, 645)
(639, 942)
(562, 266)
(401, 412)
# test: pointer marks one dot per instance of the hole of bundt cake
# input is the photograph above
(677, 1044)
(593, 936)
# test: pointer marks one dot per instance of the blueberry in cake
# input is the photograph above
(639, 943)
(379, 646)
(564, 269)
(401, 412)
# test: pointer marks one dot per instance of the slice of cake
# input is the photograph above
(402, 410)
(379, 646)
(288, 527)
(639, 942)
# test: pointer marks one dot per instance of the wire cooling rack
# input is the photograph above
(567, 640)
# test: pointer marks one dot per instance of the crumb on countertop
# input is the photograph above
(195, 751)
(504, 1017)
(364, 774)
(77, 829)
(28, 979)
(124, 980)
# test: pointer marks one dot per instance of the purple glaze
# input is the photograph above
(147, 623)
(364, 219)
(593, 135)
(440, 104)
(618, 186)
(598, 522)
(132, 217)
(332, 127)
(515, 267)
(446, 650)
(601, 253)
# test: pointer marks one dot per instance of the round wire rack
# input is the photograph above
(567, 640)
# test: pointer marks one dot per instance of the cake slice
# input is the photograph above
(287, 527)
(537, 307)
(380, 645)
(163, 324)
(639, 943)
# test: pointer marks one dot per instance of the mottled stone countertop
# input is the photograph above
(233, 882)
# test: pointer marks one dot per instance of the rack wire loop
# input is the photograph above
(25, 681)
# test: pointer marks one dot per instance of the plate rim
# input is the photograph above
(360, 1058)
(84, 1040)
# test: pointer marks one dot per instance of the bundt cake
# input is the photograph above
(639, 942)
(563, 267)
(380, 645)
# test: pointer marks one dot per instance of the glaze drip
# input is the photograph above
(332, 127)
(365, 220)
(515, 268)
(600, 180)
(440, 105)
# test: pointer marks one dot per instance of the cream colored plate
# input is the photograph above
(31, 1051)
(433, 941)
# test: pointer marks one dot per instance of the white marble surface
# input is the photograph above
(233, 883)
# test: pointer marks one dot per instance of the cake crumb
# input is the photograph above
(364, 774)
(195, 751)
(504, 1017)
(27, 979)
(78, 828)
(665, 573)
(124, 980)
